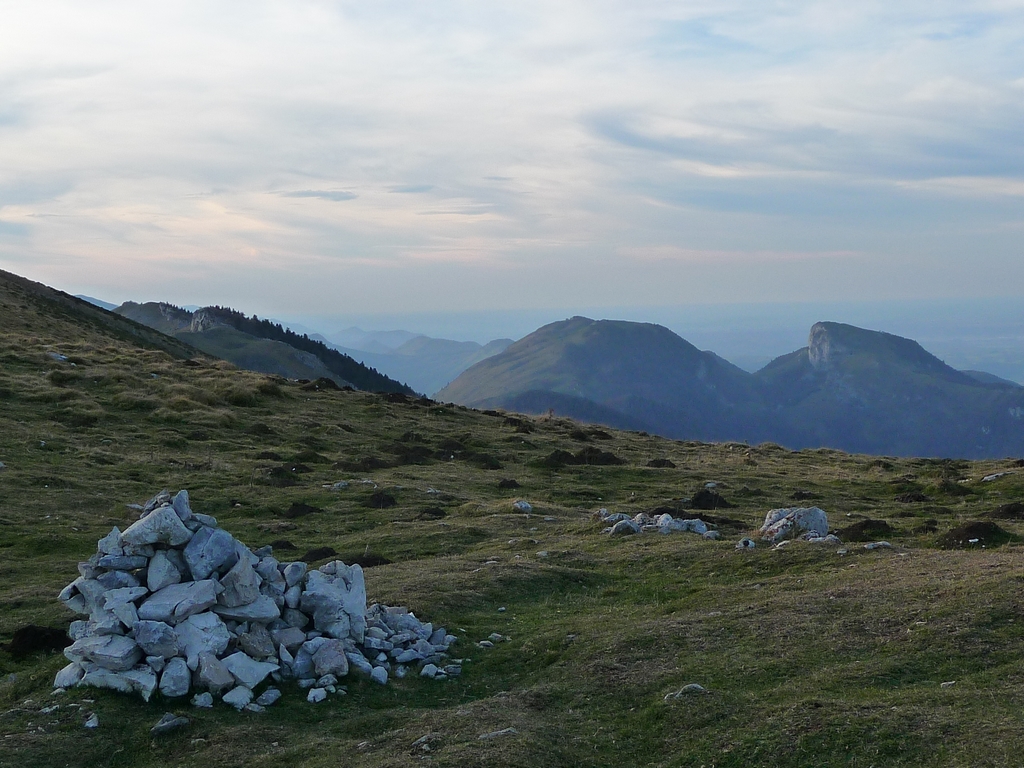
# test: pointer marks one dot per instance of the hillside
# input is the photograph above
(811, 654)
(849, 389)
(645, 373)
(259, 345)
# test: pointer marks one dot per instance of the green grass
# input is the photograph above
(811, 657)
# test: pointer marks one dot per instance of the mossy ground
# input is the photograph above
(811, 657)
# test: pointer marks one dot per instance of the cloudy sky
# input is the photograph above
(344, 157)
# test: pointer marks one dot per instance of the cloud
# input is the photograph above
(323, 194)
(556, 142)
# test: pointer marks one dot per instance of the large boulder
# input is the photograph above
(793, 521)
(211, 549)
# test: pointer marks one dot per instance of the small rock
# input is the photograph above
(268, 697)
(429, 670)
(238, 697)
(624, 528)
(522, 506)
(326, 680)
(168, 723)
(93, 721)
(687, 690)
(498, 734)
(253, 707)
(316, 695)
(878, 545)
(947, 684)
(203, 700)
(485, 644)
(745, 544)
(495, 637)
(379, 675)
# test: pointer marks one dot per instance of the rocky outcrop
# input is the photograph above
(175, 603)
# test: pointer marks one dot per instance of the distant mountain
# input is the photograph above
(97, 302)
(851, 389)
(636, 375)
(428, 364)
(872, 392)
(258, 345)
(378, 342)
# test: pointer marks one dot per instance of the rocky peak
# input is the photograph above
(203, 320)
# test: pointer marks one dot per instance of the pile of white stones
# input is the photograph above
(174, 602)
(620, 524)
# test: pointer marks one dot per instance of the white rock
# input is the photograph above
(156, 638)
(179, 601)
(213, 675)
(111, 544)
(111, 652)
(316, 695)
(429, 670)
(162, 526)
(140, 680)
(792, 521)
(293, 572)
(241, 585)
(176, 678)
(330, 658)
(203, 700)
(238, 697)
(878, 545)
(162, 572)
(93, 721)
(269, 697)
(247, 671)
(199, 634)
(211, 549)
(624, 528)
(263, 609)
(522, 506)
(180, 503)
(379, 675)
(69, 676)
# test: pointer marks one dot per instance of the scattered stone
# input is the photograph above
(69, 676)
(238, 697)
(203, 700)
(379, 675)
(93, 721)
(687, 690)
(947, 684)
(168, 724)
(624, 528)
(269, 697)
(878, 545)
(522, 506)
(316, 695)
(498, 734)
(745, 544)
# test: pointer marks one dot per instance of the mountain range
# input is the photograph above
(849, 388)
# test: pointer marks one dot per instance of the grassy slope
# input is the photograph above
(812, 658)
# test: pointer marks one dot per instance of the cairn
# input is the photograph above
(176, 603)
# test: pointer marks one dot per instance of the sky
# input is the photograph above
(393, 158)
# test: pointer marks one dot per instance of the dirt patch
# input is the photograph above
(911, 498)
(365, 560)
(380, 500)
(507, 483)
(431, 513)
(866, 530)
(321, 385)
(1011, 511)
(32, 638)
(705, 498)
(283, 545)
(298, 509)
(661, 464)
(320, 553)
(978, 533)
